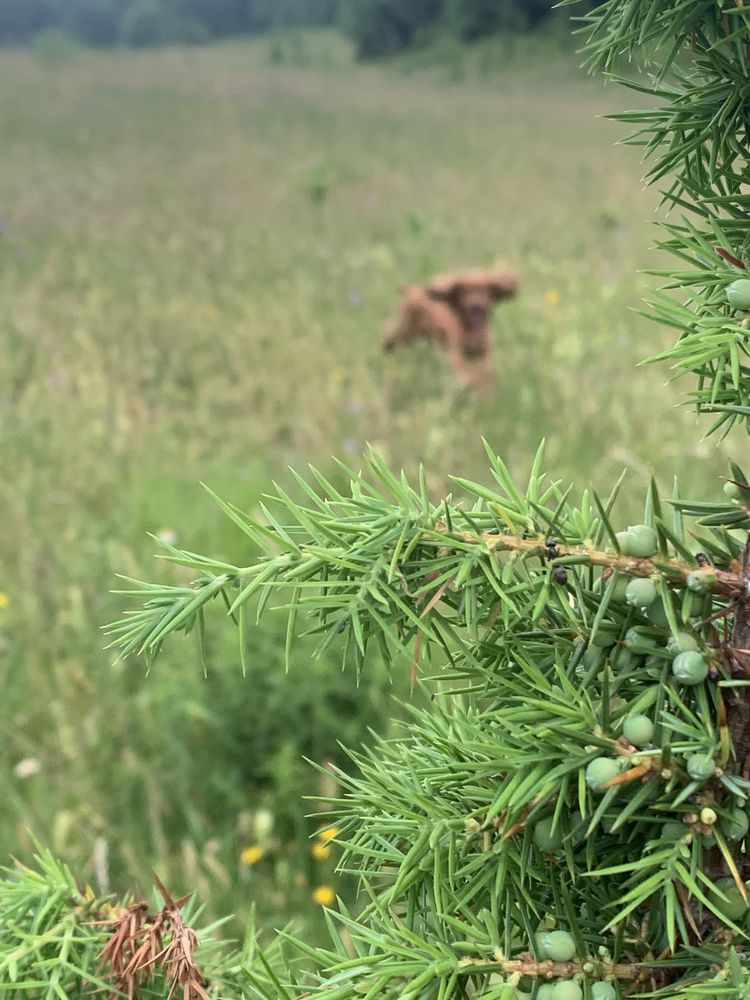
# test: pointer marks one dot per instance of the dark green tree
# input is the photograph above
(20, 20)
(475, 19)
(386, 27)
(147, 23)
(217, 17)
(93, 22)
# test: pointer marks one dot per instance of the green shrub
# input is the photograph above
(54, 47)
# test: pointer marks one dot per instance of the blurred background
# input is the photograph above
(207, 208)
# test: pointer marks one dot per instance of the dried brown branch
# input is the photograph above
(143, 942)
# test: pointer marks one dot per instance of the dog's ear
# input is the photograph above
(443, 287)
(503, 283)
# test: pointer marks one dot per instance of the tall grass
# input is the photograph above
(199, 249)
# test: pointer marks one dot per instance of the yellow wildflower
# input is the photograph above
(4, 600)
(329, 834)
(251, 855)
(552, 297)
(324, 895)
(320, 851)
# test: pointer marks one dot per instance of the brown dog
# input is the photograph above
(453, 311)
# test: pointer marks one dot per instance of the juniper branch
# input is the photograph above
(396, 566)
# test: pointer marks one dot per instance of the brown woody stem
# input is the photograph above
(527, 965)
(738, 704)
(676, 572)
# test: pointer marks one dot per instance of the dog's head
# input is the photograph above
(472, 293)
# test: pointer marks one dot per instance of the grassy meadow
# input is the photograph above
(198, 251)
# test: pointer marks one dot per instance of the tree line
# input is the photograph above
(377, 27)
